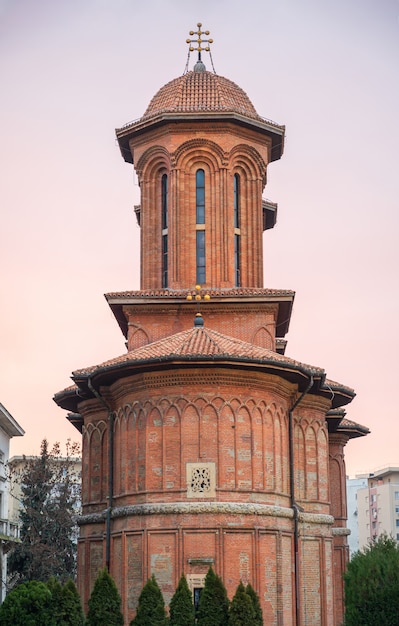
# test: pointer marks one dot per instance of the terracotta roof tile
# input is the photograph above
(199, 342)
(200, 91)
(182, 293)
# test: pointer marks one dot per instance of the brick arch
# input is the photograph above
(190, 429)
(97, 460)
(257, 446)
(300, 460)
(337, 497)
(208, 432)
(311, 465)
(322, 455)
(226, 447)
(155, 450)
(247, 159)
(263, 337)
(171, 433)
(243, 446)
(281, 450)
(152, 161)
(268, 447)
(194, 149)
(137, 337)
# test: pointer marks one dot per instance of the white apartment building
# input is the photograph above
(9, 530)
(353, 485)
(378, 506)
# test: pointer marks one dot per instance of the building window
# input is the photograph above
(237, 234)
(164, 261)
(200, 196)
(201, 269)
(396, 509)
(196, 598)
(237, 260)
(396, 495)
(397, 523)
(200, 219)
(236, 201)
(164, 196)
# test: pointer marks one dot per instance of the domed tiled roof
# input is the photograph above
(200, 91)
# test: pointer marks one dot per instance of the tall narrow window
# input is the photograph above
(201, 276)
(164, 202)
(236, 201)
(200, 196)
(200, 220)
(237, 234)
(237, 260)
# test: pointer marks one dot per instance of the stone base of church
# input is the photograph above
(248, 542)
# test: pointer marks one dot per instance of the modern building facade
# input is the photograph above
(378, 506)
(204, 444)
(9, 529)
(352, 487)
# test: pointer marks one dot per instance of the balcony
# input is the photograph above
(9, 531)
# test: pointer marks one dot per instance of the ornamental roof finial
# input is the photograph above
(199, 66)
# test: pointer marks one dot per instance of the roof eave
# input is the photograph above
(143, 125)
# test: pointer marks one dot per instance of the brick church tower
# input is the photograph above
(204, 444)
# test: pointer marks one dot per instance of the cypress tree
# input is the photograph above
(242, 612)
(214, 603)
(181, 608)
(72, 611)
(56, 599)
(104, 603)
(151, 606)
(256, 604)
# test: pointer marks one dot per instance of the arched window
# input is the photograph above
(237, 234)
(164, 205)
(200, 221)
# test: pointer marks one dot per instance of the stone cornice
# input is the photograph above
(202, 508)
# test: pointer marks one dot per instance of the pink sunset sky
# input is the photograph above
(74, 70)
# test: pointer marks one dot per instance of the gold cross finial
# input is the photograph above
(199, 41)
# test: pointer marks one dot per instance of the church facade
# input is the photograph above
(204, 444)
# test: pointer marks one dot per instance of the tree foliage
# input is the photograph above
(72, 611)
(29, 604)
(151, 606)
(50, 493)
(181, 608)
(214, 604)
(104, 603)
(66, 606)
(372, 585)
(242, 612)
(258, 620)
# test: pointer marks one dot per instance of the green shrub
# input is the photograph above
(258, 621)
(372, 585)
(72, 611)
(151, 606)
(29, 604)
(104, 603)
(181, 606)
(214, 604)
(242, 612)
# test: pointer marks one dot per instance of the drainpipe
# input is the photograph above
(294, 504)
(110, 474)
